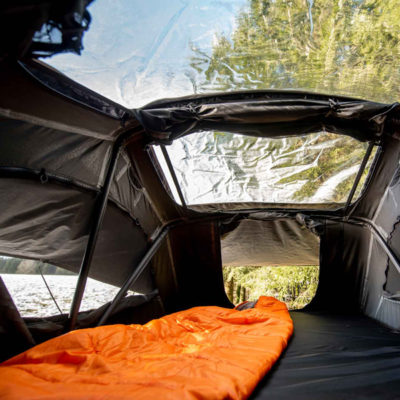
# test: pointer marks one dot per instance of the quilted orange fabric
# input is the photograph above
(200, 353)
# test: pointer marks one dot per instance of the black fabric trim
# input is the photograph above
(265, 114)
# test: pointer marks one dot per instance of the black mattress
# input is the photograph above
(335, 357)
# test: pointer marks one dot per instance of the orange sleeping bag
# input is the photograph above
(200, 353)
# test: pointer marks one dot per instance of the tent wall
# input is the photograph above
(342, 265)
(381, 291)
(50, 222)
(356, 273)
(83, 159)
(380, 281)
(196, 275)
(23, 97)
(80, 160)
(54, 155)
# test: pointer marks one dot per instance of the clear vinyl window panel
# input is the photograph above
(218, 167)
(160, 49)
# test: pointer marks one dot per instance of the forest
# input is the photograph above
(294, 285)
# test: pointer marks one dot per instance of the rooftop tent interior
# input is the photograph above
(81, 188)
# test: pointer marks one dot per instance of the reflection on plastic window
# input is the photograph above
(164, 49)
(218, 167)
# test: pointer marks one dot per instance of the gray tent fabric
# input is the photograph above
(128, 193)
(277, 242)
(77, 159)
(25, 98)
(392, 285)
(270, 114)
(50, 222)
(381, 289)
(62, 153)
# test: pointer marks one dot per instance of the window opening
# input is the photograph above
(278, 258)
(217, 167)
(294, 285)
(25, 284)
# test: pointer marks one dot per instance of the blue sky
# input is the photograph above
(139, 51)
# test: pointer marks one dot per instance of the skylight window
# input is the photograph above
(139, 51)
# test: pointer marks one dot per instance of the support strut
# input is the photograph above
(97, 219)
(358, 177)
(135, 274)
(173, 175)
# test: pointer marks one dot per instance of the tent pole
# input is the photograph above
(379, 238)
(389, 252)
(97, 219)
(136, 273)
(144, 262)
(172, 172)
(359, 175)
(368, 224)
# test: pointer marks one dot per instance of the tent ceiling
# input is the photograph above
(163, 49)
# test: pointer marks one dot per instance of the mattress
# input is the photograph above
(332, 356)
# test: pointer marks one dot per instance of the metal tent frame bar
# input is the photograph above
(366, 223)
(136, 273)
(359, 175)
(173, 174)
(97, 220)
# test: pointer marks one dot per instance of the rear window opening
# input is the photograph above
(313, 171)
(28, 289)
(294, 285)
(278, 258)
